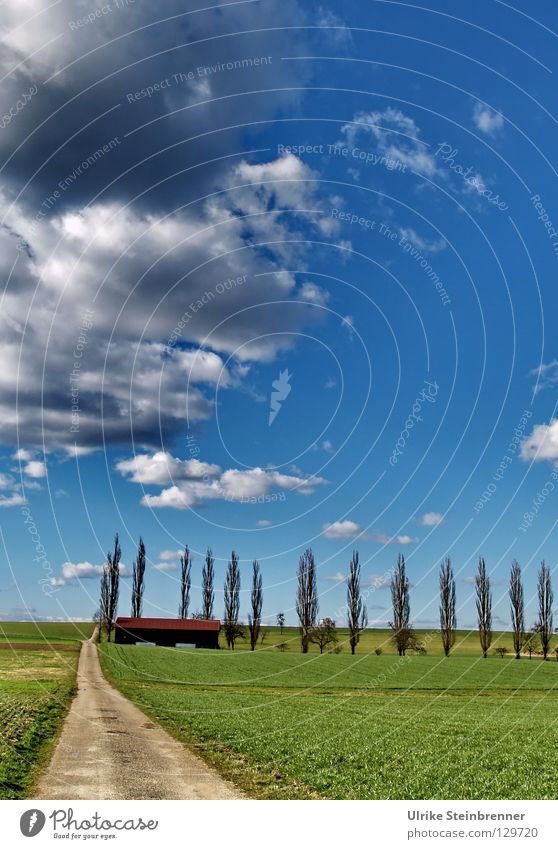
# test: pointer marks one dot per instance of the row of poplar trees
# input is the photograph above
(523, 639)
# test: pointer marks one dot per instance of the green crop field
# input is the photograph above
(285, 725)
(45, 632)
(36, 687)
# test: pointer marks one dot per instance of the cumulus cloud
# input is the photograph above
(542, 443)
(192, 482)
(165, 567)
(547, 376)
(396, 135)
(487, 120)
(430, 520)
(345, 529)
(80, 571)
(170, 554)
(399, 539)
(338, 578)
(35, 469)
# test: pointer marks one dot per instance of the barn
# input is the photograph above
(202, 633)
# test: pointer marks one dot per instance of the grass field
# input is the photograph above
(284, 725)
(36, 687)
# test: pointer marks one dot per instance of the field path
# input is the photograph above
(109, 749)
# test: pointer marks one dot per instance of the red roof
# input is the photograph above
(133, 624)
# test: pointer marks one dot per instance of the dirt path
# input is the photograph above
(109, 749)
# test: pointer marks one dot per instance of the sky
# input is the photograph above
(277, 275)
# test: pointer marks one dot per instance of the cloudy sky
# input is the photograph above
(276, 274)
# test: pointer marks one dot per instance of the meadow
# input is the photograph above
(36, 688)
(286, 725)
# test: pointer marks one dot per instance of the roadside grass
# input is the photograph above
(36, 688)
(335, 726)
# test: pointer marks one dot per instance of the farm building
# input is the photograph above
(202, 633)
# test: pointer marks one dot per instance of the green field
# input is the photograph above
(285, 725)
(36, 687)
(45, 632)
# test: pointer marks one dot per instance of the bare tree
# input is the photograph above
(281, 621)
(256, 599)
(208, 578)
(232, 601)
(529, 643)
(112, 570)
(185, 583)
(484, 607)
(324, 634)
(402, 632)
(546, 599)
(307, 597)
(138, 582)
(356, 609)
(448, 622)
(517, 608)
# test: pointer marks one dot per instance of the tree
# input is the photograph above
(307, 597)
(138, 583)
(110, 586)
(484, 607)
(355, 608)
(517, 608)
(324, 634)
(185, 583)
(529, 643)
(281, 621)
(104, 601)
(402, 632)
(232, 601)
(502, 651)
(208, 577)
(256, 599)
(546, 599)
(448, 622)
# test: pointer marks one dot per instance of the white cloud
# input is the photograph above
(430, 520)
(14, 500)
(431, 246)
(263, 523)
(23, 455)
(345, 529)
(377, 582)
(542, 444)
(165, 567)
(338, 578)
(396, 135)
(85, 569)
(399, 539)
(327, 445)
(35, 469)
(170, 554)
(314, 294)
(194, 482)
(487, 120)
(547, 376)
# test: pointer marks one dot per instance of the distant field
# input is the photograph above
(47, 632)
(285, 725)
(36, 688)
(467, 642)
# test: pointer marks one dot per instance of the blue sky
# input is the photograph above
(354, 201)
